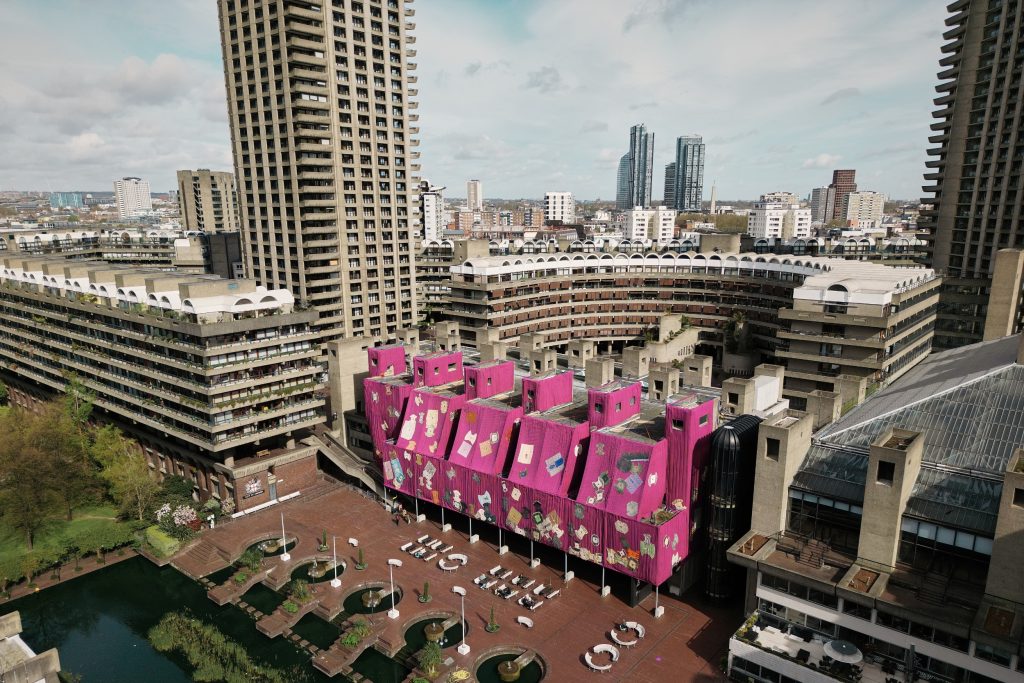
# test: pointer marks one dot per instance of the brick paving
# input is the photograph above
(685, 644)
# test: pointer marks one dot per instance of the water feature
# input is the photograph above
(416, 638)
(221, 575)
(488, 671)
(317, 631)
(263, 598)
(99, 623)
(354, 604)
(272, 546)
(379, 668)
(317, 571)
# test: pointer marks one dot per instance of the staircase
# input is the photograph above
(201, 559)
(933, 588)
(349, 463)
(813, 554)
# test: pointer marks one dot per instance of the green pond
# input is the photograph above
(99, 622)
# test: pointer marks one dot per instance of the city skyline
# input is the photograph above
(153, 99)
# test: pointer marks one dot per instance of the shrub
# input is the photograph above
(299, 590)
(163, 544)
(289, 607)
(241, 577)
(251, 559)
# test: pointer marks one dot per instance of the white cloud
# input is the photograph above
(821, 161)
(84, 145)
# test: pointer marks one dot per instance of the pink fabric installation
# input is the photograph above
(689, 422)
(385, 398)
(543, 517)
(489, 379)
(427, 421)
(483, 435)
(386, 361)
(545, 393)
(613, 404)
(399, 467)
(478, 494)
(586, 532)
(624, 476)
(547, 452)
(643, 549)
(437, 369)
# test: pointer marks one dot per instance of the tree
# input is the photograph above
(430, 658)
(78, 400)
(4, 393)
(64, 444)
(27, 471)
(125, 470)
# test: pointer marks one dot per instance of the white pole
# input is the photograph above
(335, 583)
(391, 571)
(285, 557)
(463, 625)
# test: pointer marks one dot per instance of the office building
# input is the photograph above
(431, 211)
(864, 210)
(323, 129)
(217, 379)
(781, 198)
(636, 170)
(670, 185)
(843, 183)
(975, 172)
(475, 195)
(132, 197)
(839, 325)
(887, 544)
(66, 200)
(819, 205)
(656, 225)
(559, 206)
(785, 220)
(208, 201)
(689, 175)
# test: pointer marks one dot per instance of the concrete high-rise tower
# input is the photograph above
(636, 170)
(975, 172)
(670, 185)
(132, 196)
(431, 210)
(208, 201)
(689, 191)
(844, 181)
(475, 195)
(323, 131)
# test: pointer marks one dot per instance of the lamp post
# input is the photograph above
(336, 582)
(461, 592)
(393, 613)
(285, 557)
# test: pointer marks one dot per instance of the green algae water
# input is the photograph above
(99, 622)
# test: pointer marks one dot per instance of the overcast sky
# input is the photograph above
(527, 95)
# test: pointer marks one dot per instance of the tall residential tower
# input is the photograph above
(323, 133)
(636, 170)
(689, 173)
(132, 197)
(208, 200)
(976, 172)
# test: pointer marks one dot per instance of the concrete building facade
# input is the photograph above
(132, 196)
(689, 176)
(559, 206)
(474, 195)
(770, 218)
(208, 200)
(844, 181)
(323, 128)
(864, 209)
(655, 225)
(431, 211)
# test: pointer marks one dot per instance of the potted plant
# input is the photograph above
(323, 541)
(492, 625)
(425, 596)
(360, 565)
(430, 658)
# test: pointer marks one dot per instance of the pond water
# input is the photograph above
(99, 622)
(488, 671)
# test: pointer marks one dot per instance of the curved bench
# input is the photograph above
(525, 621)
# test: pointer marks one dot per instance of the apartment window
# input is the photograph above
(772, 449)
(734, 397)
(1018, 498)
(886, 472)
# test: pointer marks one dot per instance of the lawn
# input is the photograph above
(86, 521)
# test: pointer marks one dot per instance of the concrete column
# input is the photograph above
(824, 407)
(894, 462)
(347, 367)
(492, 351)
(541, 361)
(662, 382)
(580, 351)
(1004, 579)
(600, 371)
(697, 370)
(782, 443)
(1004, 299)
(529, 342)
(851, 388)
(636, 362)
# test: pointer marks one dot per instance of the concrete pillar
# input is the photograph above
(492, 351)
(782, 443)
(529, 342)
(600, 371)
(1004, 299)
(697, 371)
(894, 462)
(636, 361)
(446, 336)
(486, 335)
(409, 337)
(580, 351)
(347, 367)
(541, 361)
(1003, 580)
(662, 382)
(824, 407)
(851, 388)
(737, 396)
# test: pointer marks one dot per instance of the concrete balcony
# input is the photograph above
(304, 43)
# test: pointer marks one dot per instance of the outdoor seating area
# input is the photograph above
(453, 562)
(529, 603)
(603, 649)
(835, 657)
(427, 549)
(625, 634)
(505, 592)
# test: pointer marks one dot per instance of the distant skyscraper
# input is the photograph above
(475, 195)
(66, 200)
(689, 178)
(432, 210)
(559, 206)
(819, 205)
(843, 183)
(208, 201)
(670, 185)
(976, 173)
(864, 209)
(322, 128)
(132, 196)
(636, 191)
